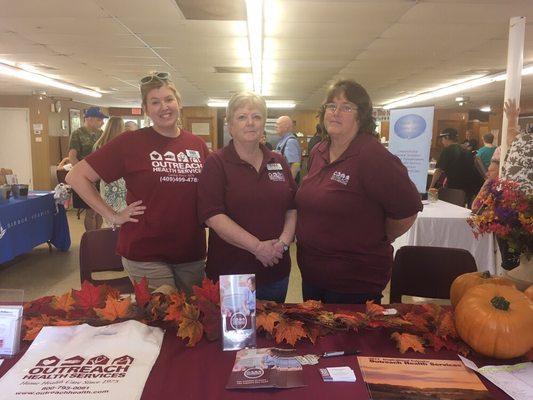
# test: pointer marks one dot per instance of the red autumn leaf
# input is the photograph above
(434, 341)
(142, 293)
(431, 309)
(39, 306)
(109, 291)
(210, 319)
(419, 322)
(267, 321)
(311, 305)
(89, 296)
(114, 309)
(351, 320)
(290, 331)
(190, 327)
(64, 303)
(373, 309)
(32, 326)
(446, 326)
(314, 332)
(209, 291)
(406, 341)
(177, 300)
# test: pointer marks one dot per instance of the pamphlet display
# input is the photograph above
(266, 368)
(237, 308)
(11, 310)
(85, 362)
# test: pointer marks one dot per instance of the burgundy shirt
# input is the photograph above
(342, 207)
(162, 172)
(256, 201)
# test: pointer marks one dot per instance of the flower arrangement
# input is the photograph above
(502, 208)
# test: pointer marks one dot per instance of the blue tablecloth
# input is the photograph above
(26, 223)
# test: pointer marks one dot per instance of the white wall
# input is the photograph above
(15, 146)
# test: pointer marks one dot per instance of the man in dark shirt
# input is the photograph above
(470, 143)
(457, 164)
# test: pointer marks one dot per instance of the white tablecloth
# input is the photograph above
(443, 224)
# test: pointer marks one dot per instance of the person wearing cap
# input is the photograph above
(457, 164)
(81, 145)
(160, 237)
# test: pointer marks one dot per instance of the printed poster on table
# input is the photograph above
(84, 362)
(410, 132)
(409, 378)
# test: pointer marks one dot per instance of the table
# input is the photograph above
(202, 372)
(26, 223)
(443, 224)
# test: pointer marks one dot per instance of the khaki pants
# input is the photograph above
(181, 276)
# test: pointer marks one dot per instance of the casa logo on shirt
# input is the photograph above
(179, 167)
(340, 177)
(276, 176)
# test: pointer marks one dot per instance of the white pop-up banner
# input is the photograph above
(84, 362)
(410, 132)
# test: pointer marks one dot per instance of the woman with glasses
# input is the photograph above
(246, 198)
(355, 200)
(160, 237)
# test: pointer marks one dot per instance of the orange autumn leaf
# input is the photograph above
(64, 303)
(352, 320)
(290, 331)
(406, 341)
(32, 326)
(431, 309)
(142, 293)
(89, 296)
(267, 321)
(434, 341)
(311, 305)
(114, 309)
(446, 326)
(177, 300)
(209, 291)
(65, 322)
(190, 327)
(418, 320)
(373, 309)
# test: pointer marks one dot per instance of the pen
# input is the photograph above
(341, 353)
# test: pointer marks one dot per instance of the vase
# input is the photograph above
(522, 276)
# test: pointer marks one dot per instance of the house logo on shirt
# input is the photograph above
(340, 177)
(276, 176)
(180, 167)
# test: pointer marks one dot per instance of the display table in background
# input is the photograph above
(26, 223)
(443, 224)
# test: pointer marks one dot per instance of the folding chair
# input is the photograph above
(426, 271)
(97, 254)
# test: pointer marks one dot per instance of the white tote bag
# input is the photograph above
(85, 362)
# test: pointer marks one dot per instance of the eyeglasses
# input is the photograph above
(343, 108)
(162, 76)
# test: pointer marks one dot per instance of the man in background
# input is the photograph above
(485, 153)
(81, 145)
(470, 142)
(288, 144)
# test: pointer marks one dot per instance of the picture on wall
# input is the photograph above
(75, 119)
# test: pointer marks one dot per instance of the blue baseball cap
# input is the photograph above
(94, 112)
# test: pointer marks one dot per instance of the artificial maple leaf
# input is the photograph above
(290, 331)
(39, 306)
(311, 305)
(406, 341)
(109, 291)
(32, 326)
(373, 309)
(446, 326)
(263, 305)
(419, 322)
(89, 296)
(64, 303)
(190, 327)
(157, 307)
(432, 309)
(177, 300)
(142, 293)
(65, 322)
(314, 332)
(114, 309)
(210, 319)
(434, 341)
(350, 319)
(267, 321)
(209, 291)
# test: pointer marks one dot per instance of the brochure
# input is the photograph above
(407, 378)
(237, 308)
(266, 368)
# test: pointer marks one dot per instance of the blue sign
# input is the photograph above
(410, 126)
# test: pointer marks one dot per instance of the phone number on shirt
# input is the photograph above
(178, 179)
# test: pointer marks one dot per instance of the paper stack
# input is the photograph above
(337, 374)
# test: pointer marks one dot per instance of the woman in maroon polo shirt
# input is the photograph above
(160, 237)
(355, 200)
(246, 198)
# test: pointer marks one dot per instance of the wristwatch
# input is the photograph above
(285, 245)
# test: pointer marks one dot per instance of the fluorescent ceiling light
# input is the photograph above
(254, 20)
(16, 72)
(485, 109)
(460, 98)
(222, 103)
(452, 89)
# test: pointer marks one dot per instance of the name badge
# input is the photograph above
(192, 153)
(274, 167)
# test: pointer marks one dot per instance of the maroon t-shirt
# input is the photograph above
(256, 201)
(342, 207)
(162, 172)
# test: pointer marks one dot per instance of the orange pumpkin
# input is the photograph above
(496, 321)
(529, 292)
(465, 281)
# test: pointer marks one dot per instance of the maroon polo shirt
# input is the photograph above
(256, 201)
(342, 207)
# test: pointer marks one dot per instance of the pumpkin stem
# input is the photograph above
(485, 275)
(500, 303)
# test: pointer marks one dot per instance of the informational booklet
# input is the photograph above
(237, 308)
(515, 380)
(407, 378)
(337, 374)
(10, 327)
(266, 368)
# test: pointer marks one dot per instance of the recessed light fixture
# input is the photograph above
(222, 103)
(485, 109)
(20, 73)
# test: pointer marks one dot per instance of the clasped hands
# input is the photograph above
(269, 252)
